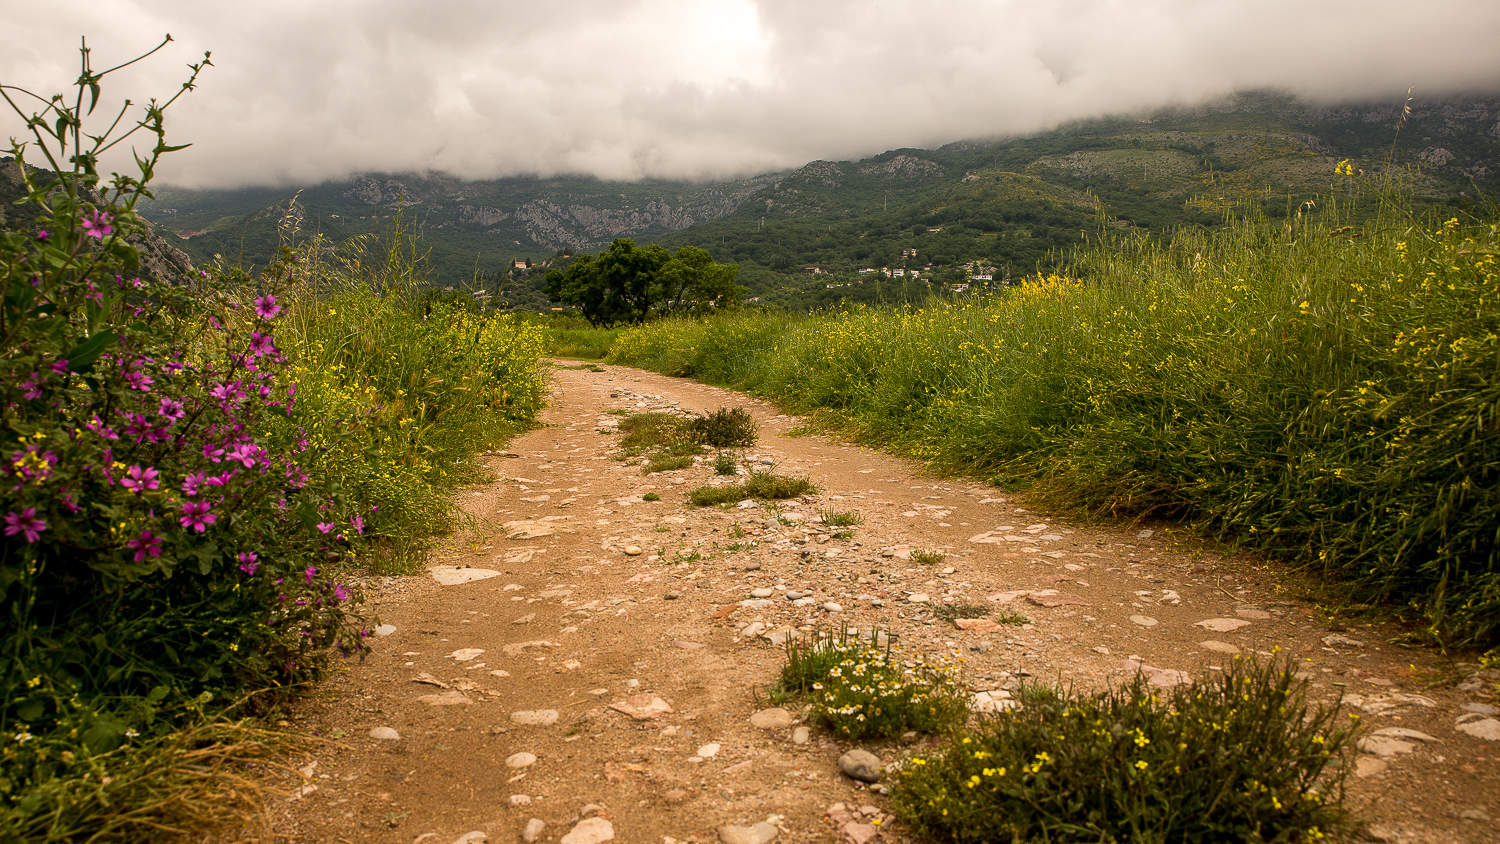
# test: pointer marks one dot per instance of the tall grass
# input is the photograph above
(399, 391)
(1325, 391)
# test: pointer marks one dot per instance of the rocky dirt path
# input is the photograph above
(588, 664)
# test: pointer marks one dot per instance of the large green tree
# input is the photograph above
(630, 284)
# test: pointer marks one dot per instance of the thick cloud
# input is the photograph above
(707, 88)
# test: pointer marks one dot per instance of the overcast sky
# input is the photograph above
(304, 90)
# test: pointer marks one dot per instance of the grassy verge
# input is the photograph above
(1314, 388)
(398, 392)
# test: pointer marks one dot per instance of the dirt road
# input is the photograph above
(499, 672)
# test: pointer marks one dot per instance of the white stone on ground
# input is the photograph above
(520, 760)
(385, 734)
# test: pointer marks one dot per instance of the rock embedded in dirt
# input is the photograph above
(918, 598)
(533, 830)
(1143, 620)
(775, 718)
(862, 765)
(520, 760)
(642, 707)
(1336, 641)
(385, 629)
(1385, 747)
(1053, 598)
(977, 625)
(453, 576)
(1222, 625)
(590, 831)
(1218, 647)
(385, 734)
(520, 800)
(762, 592)
(801, 735)
(633, 551)
(761, 833)
(448, 698)
(535, 717)
(474, 837)
(1479, 726)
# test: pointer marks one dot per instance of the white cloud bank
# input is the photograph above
(625, 89)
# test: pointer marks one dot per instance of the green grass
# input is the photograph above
(1319, 388)
(762, 485)
(725, 464)
(1237, 756)
(666, 463)
(846, 518)
(955, 611)
(579, 343)
(925, 557)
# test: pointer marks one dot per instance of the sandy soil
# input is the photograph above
(568, 623)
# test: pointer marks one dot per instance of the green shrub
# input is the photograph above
(1237, 757)
(955, 611)
(862, 690)
(651, 496)
(847, 518)
(927, 557)
(725, 428)
(763, 485)
(666, 463)
(725, 464)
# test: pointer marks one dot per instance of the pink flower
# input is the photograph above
(248, 563)
(98, 225)
(260, 344)
(24, 522)
(139, 480)
(340, 593)
(139, 381)
(309, 573)
(359, 524)
(172, 409)
(197, 515)
(193, 484)
(245, 453)
(325, 526)
(266, 307)
(147, 545)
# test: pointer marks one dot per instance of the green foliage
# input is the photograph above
(955, 611)
(650, 496)
(725, 464)
(862, 690)
(727, 427)
(399, 389)
(927, 557)
(762, 485)
(186, 494)
(630, 284)
(666, 463)
(842, 518)
(1316, 387)
(1239, 756)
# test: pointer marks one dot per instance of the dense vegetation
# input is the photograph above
(630, 284)
(199, 470)
(1320, 386)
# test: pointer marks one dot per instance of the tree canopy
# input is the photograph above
(630, 284)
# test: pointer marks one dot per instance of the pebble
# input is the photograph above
(775, 718)
(1474, 815)
(709, 751)
(535, 717)
(633, 550)
(1337, 641)
(832, 606)
(753, 629)
(474, 837)
(520, 760)
(918, 598)
(1219, 647)
(385, 629)
(762, 592)
(1143, 620)
(520, 800)
(1222, 625)
(761, 833)
(672, 596)
(1385, 747)
(1252, 613)
(590, 831)
(801, 735)
(385, 734)
(1480, 709)
(533, 830)
(861, 765)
